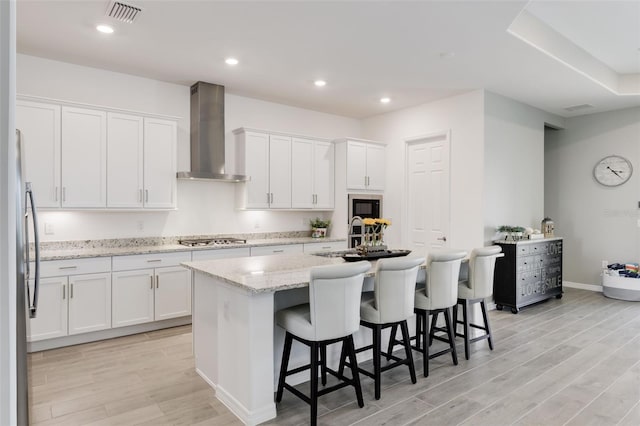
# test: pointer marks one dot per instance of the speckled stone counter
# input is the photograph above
(265, 273)
(127, 246)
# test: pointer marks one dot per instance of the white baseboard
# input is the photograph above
(247, 417)
(590, 287)
(206, 379)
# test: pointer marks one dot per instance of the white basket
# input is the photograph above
(619, 287)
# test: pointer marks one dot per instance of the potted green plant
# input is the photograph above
(319, 227)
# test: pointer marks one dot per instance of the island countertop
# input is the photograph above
(272, 273)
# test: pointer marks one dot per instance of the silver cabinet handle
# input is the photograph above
(272, 198)
(157, 281)
(268, 198)
(146, 195)
(64, 292)
(154, 260)
(151, 276)
(278, 251)
(326, 248)
(140, 195)
(71, 292)
(67, 267)
(55, 193)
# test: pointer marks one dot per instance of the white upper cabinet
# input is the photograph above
(84, 158)
(312, 174)
(160, 140)
(266, 160)
(284, 171)
(39, 124)
(279, 172)
(125, 160)
(365, 165)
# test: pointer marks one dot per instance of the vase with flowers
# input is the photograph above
(373, 238)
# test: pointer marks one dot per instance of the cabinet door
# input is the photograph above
(40, 127)
(257, 168)
(356, 165)
(132, 297)
(302, 173)
(173, 292)
(51, 316)
(160, 138)
(84, 157)
(124, 160)
(323, 175)
(375, 167)
(280, 172)
(89, 303)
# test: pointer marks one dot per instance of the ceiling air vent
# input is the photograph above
(122, 11)
(580, 107)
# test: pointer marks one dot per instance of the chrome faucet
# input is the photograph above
(356, 220)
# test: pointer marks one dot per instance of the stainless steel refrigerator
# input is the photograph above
(26, 272)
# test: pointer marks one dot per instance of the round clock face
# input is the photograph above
(612, 170)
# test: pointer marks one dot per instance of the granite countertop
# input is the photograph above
(265, 273)
(528, 241)
(130, 246)
(268, 273)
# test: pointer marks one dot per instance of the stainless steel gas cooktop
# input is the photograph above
(198, 242)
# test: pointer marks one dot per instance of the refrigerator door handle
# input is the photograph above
(33, 305)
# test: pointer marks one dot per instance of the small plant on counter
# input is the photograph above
(319, 227)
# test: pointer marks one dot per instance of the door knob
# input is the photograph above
(442, 239)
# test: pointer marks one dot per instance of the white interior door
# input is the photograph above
(428, 214)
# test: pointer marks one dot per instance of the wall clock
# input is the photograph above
(612, 170)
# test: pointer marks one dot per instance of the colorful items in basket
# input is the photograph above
(629, 270)
(373, 240)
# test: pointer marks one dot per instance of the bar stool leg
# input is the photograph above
(392, 340)
(407, 350)
(486, 323)
(376, 359)
(284, 365)
(418, 329)
(452, 343)
(323, 364)
(425, 343)
(465, 326)
(354, 369)
(314, 382)
(343, 358)
(432, 329)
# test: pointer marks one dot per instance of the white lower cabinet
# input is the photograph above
(73, 303)
(153, 293)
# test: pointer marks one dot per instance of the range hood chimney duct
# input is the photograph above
(207, 135)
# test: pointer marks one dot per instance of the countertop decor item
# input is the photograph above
(513, 233)
(547, 226)
(319, 227)
(373, 235)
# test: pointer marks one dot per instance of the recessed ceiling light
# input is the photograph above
(320, 83)
(385, 100)
(231, 61)
(104, 29)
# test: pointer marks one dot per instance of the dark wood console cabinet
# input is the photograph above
(529, 272)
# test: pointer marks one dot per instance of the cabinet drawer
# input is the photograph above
(220, 253)
(56, 268)
(141, 261)
(281, 249)
(325, 246)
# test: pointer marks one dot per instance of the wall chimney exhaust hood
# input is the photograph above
(207, 135)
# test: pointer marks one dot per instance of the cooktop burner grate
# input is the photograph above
(211, 241)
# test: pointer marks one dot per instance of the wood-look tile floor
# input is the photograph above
(574, 361)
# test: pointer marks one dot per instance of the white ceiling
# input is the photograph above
(363, 49)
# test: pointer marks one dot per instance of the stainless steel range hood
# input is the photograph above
(207, 135)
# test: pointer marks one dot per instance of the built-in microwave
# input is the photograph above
(364, 206)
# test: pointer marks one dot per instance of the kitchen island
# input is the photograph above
(237, 347)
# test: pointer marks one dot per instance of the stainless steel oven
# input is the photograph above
(363, 206)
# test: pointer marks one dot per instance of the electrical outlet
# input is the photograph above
(604, 264)
(256, 225)
(140, 225)
(48, 228)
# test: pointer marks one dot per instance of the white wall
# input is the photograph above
(514, 164)
(203, 207)
(598, 223)
(463, 116)
(8, 392)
